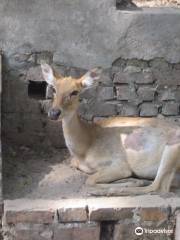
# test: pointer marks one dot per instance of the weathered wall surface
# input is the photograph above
(88, 33)
(139, 51)
(1, 197)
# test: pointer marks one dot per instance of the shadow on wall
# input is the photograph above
(126, 5)
(24, 120)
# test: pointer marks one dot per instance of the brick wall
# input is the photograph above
(98, 219)
(136, 88)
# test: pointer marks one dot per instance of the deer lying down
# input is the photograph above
(115, 149)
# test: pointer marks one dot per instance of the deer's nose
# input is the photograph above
(54, 113)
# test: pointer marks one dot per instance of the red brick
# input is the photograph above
(154, 214)
(111, 214)
(14, 217)
(32, 232)
(124, 231)
(82, 231)
(72, 215)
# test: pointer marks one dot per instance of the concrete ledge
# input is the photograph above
(95, 209)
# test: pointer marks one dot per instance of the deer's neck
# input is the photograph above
(76, 134)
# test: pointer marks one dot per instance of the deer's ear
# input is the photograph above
(91, 77)
(48, 74)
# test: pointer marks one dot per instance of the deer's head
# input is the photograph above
(67, 89)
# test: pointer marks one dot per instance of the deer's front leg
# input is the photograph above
(78, 164)
(108, 175)
(74, 162)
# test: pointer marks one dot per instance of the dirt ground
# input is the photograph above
(43, 174)
(47, 174)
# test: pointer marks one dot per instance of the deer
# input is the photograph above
(117, 149)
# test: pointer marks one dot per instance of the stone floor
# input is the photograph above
(45, 174)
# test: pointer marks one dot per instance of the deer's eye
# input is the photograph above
(74, 93)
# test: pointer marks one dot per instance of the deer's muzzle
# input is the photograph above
(54, 113)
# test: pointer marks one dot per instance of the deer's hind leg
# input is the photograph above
(128, 182)
(162, 181)
(109, 174)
